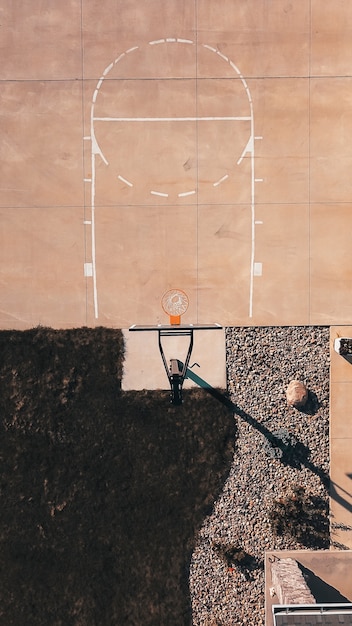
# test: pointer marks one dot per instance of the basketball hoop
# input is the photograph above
(175, 303)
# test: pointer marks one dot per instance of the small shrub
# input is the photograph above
(302, 516)
(235, 557)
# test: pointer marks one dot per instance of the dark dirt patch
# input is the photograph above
(102, 492)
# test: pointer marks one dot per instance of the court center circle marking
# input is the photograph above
(127, 179)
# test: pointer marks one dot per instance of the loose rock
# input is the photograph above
(296, 394)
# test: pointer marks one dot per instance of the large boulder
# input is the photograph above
(296, 394)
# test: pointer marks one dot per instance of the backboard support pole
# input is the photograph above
(175, 373)
(177, 370)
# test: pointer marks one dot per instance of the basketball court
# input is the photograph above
(184, 144)
(192, 145)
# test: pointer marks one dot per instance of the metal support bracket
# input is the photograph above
(176, 371)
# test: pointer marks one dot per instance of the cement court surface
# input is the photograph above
(184, 144)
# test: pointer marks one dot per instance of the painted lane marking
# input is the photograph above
(258, 222)
(222, 56)
(123, 54)
(96, 149)
(259, 180)
(258, 269)
(205, 45)
(124, 180)
(248, 148)
(87, 222)
(186, 193)
(170, 40)
(131, 49)
(88, 269)
(159, 193)
(173, 119)
(108, 68)
(221, 180)
(87, 180)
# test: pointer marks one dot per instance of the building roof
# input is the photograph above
(328, 575)
(313, 615)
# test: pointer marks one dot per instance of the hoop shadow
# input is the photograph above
(295, 456)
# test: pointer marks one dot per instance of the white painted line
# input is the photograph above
(258, 269)
(107, 69)
(123, 54)
(258, 137)
(124, 180)
(222, 56)
(205, 45)
(259, 180)
(131, 49)
(221, 180)
(258, 222)
(87, 180)
(95, 95)
(96, 149)
(87, 138)
(248, 95)
(159, 193)
(248, 148)
(173, 119)
(88, 269)
(152, 43)
(234, 67)
(87, 222)
(100, 82)
(186, 193)
(184, 41)
(170, 39)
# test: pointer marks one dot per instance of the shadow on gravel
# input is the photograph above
(102, 491)
(235, 557)
(293, 453)
(289, 450)
(302, 516)
(312, 405)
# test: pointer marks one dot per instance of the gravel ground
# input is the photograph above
(227, 586)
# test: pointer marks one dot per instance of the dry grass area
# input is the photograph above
(102, 491)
